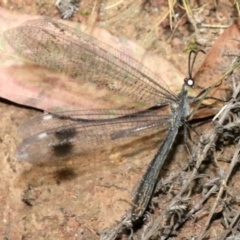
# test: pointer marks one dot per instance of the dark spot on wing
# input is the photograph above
(65, 134)
(63, 149)
(62, 117)
(65, 174)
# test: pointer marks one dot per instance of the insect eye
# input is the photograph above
(189, 82)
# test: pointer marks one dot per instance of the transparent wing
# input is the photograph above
(59, 47)
(53, 136)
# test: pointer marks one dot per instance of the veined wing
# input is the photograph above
(59, 47)
(54, 136)
(58, 120)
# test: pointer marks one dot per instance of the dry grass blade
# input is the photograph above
(114, 5)
(237, 6)
(188, 9)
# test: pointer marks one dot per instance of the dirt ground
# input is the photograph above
(79, 198)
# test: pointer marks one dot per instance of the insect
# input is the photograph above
(60, 135)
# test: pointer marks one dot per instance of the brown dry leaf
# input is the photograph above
(218, 60)
(38, 87)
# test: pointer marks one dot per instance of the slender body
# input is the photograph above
(148, 182)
